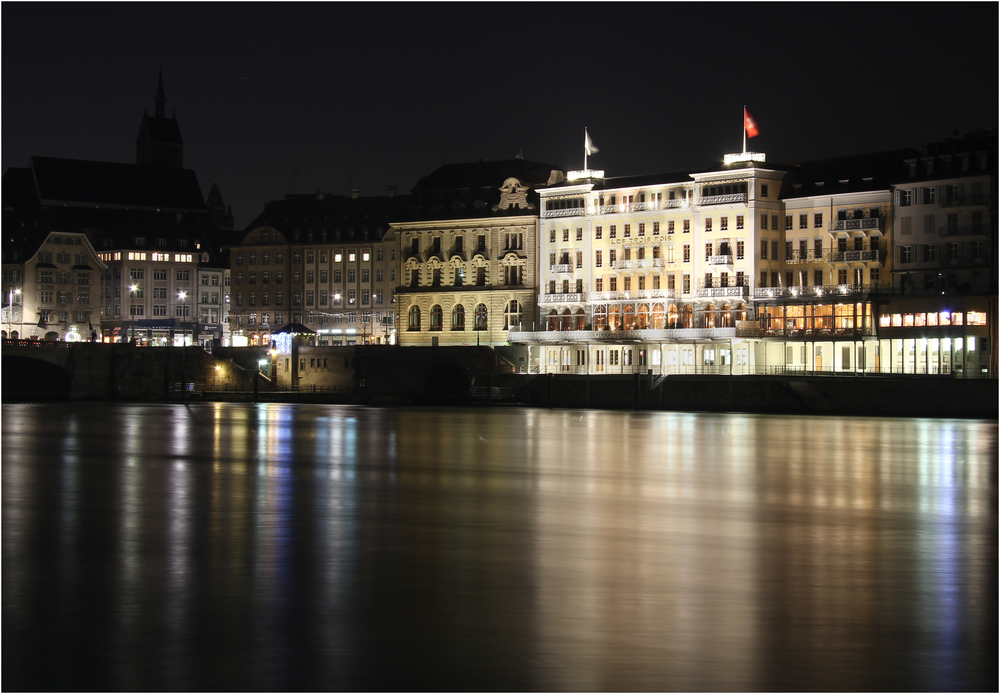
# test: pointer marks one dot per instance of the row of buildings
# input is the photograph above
(882, 262)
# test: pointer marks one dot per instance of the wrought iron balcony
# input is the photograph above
(831, 290)
(865, 224)
(642, 335)
(724, 291)
(564, 267)
(725, 259)
(723, 199)
(630, 295)
(635, 264)
(566, 212)
(799, 257)
(565, 298)
(851, 256)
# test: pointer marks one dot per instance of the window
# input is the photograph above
(482, 317)
(763, 250)
(579, 234)
(437, 317)
(818, 278)
(183, 275)
(763, 190)
(614, 231)
(708, 224)
(818, 220)
(724, 224)
(788, 221)
(670, 226)
(687, 253)
(803, 221)
(774, 222)
(597, 259)
(906, 254)
(687, 284)
(739, 250)
(414, 318)
(458, 317)
(656, 228)
(598, 232)
(628, 230)
(687, 226)
(763, 220)
(774, 250)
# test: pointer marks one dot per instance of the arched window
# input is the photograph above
(512, 316)
(672, 316)
(601, 317)
(642, 317)
(482, 317)
(581, 320)
(687, 317)
(726, 317)
(741, 311)
(458, 317)
(614, 317)
(437, 317)
(552, 320)
(659, 320)
(708, 318)
(628, 317)
(414, 318)
(566, 320)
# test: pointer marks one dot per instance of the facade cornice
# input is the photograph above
(431, 225)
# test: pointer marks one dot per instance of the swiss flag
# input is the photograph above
(749, 124)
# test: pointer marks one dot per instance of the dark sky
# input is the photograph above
(279, 98)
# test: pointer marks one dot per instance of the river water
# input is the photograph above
(303, 547)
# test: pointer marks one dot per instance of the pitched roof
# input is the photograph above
(81, 182)
(323, 213)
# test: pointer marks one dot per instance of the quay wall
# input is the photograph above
(388, 376)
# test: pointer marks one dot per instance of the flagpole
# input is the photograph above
(585, 148)
(744, 128)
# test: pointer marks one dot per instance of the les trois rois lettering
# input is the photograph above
(637, 241)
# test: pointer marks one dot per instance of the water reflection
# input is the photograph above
(274, 547)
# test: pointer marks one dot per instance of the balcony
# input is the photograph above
(723, 199)
(565, 298)
(724, 291)
(568, 212)
(831, 290)
(562, 268)
(809, 256)
(647, 335)
(851, 256)
(637, 295)
(864, 224)
(726, 259)
(636, 264)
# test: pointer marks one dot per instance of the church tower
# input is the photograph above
(159, 142)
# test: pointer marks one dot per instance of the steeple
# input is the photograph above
(159, 142)
(161, 98)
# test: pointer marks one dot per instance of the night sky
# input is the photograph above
(280, 98)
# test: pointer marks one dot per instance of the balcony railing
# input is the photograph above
(724, 291)
(809, 256)
(564, 267)
(825, 290)
(725, 259)
(850, 256)
(635, 264)
(630, 295)
(856, 224)
(564, 298)
(723, 199)
(649, 334)
(567, 212)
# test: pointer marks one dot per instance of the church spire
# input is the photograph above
(161, 98)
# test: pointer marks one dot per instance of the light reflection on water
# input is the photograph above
(281, 547)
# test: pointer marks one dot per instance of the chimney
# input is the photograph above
(355, 193)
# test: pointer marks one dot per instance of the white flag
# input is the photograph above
(588, 146)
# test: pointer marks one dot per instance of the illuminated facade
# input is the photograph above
(50, 287)
(747, 268)
(467, 250)
(942, 317)
(324, 261)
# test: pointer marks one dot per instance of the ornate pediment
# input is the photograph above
(513, 195)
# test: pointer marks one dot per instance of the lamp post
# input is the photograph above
(10, 311)
(133, 288)
(181, 296)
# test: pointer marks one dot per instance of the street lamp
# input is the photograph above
(10, 310)
(181, 296)
(133, 288)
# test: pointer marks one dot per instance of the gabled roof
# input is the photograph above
(81, 182)
(850, 174)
